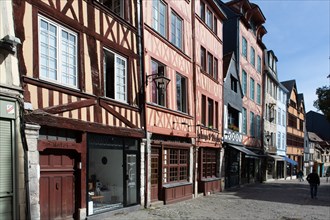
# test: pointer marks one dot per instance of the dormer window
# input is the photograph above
(233, 83)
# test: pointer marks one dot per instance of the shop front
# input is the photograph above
(242, 165)
(113, 165)
(170, 169)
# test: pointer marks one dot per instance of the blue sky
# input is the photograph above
(298, 31)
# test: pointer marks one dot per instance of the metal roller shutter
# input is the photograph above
(6, 170)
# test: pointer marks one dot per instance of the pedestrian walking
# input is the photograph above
(300, 175)
(314, 181)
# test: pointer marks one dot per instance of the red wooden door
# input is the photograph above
(155, 174)
(57, 185)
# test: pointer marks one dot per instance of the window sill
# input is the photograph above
(209, 76)
(172, 185)
(210, 179)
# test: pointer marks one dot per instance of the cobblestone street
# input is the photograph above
(281, 199)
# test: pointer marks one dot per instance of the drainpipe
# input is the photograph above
(195, 155)
(142, 96)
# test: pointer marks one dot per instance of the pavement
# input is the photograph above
(278, 199)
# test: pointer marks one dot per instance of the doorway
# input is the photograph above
(57, 184)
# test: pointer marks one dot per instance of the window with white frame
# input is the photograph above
(57, 53)
(176, 30)
(279, 140)
(159, 17)
(181, 93)
(279, 112)
(283, 118)
(115, 76)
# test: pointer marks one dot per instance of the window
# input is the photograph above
(203, 59)
(252, 56)
(292, 121)
(259, 64)
(115, 75)
(158, 94)
(258, 126)
(301, 125)
(283, 118)
(210, 113)
(209, 165)
(279, 140)
(176, 165)
(252, 126)
(258, 94)
(279, 116)
(159, 17)
(233, 83)
(233, 119)
(203, 110)
(252, 88)
(116, 6)
(244, 84)
(176, 30)
(181, 93)
(215, 25)
(210, 64)
(57, 53)
(209, 18)
(216, 115)
(244, 47)
(202, 11)
(215, 72)
(244, 121)
(283, 141)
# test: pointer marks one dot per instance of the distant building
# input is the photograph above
(295, 126)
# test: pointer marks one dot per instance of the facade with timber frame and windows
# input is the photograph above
(208, 85)
(295, 137)
(169, 108)
(79, 66)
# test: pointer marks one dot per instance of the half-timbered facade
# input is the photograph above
(207, 45)
(243, 33)
(12, 152)
(295, 127)
(79, 66)
(168, 75)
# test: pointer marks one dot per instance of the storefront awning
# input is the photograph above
(276, 157)
(294, 163)
(244, 150)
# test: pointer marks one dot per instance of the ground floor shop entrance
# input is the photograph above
(112, 173)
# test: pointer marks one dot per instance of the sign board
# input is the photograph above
(7, 109)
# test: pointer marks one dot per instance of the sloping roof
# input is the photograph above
(313, 137)
(226, 62)
(289, 84)
(317, 123)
